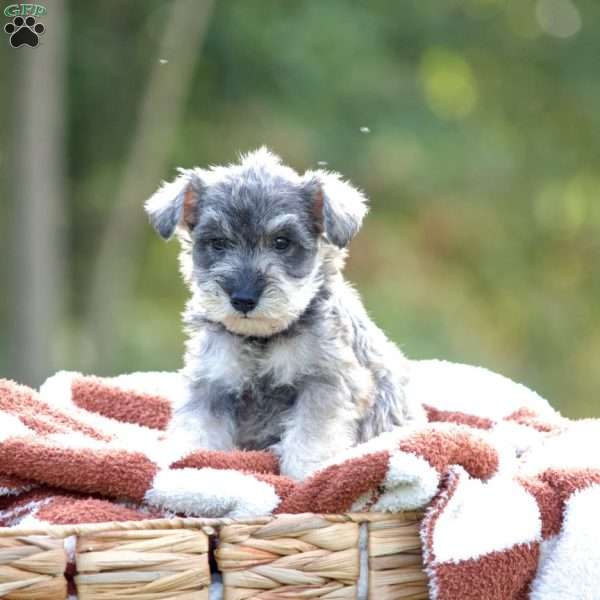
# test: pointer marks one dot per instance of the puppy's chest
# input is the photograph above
(262, 382)
(260, 411)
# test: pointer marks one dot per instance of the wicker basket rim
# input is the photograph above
(208, 525)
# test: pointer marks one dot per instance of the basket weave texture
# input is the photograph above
(32, 568)
(143, 565)
(283, 557)
(395, 560)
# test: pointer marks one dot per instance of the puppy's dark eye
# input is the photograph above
(218, 244)
(280, 244)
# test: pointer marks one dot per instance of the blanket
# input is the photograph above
(509, 487)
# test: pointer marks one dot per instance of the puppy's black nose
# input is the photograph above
(244, 302)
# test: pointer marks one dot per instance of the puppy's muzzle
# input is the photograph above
(245, 300)
(245, 290)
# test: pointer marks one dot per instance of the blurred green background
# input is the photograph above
(472, 125)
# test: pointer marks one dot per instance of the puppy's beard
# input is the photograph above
(210, 301)
(253, 325)
(283, 302)
(279, 306)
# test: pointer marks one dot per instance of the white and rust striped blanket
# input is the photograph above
(511, 489)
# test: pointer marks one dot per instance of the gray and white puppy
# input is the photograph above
(281, 353)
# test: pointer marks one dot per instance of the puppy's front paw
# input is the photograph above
(298, 467)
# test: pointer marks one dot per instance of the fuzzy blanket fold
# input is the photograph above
(511, 488)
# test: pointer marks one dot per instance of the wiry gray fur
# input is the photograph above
(306, 372)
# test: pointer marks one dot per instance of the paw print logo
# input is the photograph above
(24, 31)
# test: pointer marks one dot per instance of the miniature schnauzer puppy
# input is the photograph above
(281, 352)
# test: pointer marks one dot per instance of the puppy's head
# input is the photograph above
(256, 237)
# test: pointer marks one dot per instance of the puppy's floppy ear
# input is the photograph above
(339, 208)
(176, 203)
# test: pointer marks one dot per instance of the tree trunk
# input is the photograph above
(37, 224)
(160, 111)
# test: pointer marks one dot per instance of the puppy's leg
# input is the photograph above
(392, 406)
(203, 421)
(323, 422)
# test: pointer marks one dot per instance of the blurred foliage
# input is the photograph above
(481, 160)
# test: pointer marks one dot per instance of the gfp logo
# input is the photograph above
(24, 29)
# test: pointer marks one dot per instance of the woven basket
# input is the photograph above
(283, 557)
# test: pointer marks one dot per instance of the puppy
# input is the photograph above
(281, 352)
